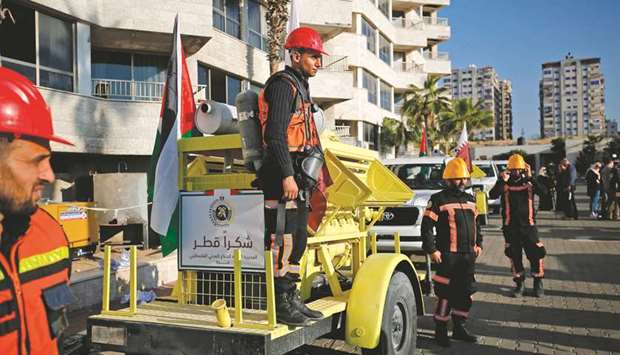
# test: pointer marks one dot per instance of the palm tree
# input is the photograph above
(395, 133)
(276, 17)
(465, 112)
(423, 106)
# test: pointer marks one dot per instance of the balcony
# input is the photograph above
(409, 4)
(437, 63)
(333, 18)
(335, 63)
(127, 90)
(409, 35)
(343, 131)
(436, 28)
(409, 73)
(407, 67)
(334, 81)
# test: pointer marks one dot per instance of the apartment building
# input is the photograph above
(101, 64)
(483, 85)
(378, 48)
(503, 126)
(612, 127)
(572, 98)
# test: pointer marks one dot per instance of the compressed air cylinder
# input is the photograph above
(216, 118)
(249, 127)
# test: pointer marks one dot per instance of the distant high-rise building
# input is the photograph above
(612, 127)
(572, 98)
(483, 84)
(503, 125)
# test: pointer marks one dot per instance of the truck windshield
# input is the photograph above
(487, 169)
(420, 176)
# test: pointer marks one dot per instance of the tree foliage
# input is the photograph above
(276, 17)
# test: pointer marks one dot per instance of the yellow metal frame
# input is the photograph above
(362, 189)
(133, 282)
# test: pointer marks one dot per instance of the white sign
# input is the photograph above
(215, 223)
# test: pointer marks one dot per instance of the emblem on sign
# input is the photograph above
(220, 212)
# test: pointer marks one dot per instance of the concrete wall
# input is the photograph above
(103, 126)
(143, 15)
(359, 109)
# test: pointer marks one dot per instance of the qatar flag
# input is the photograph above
(462, 148)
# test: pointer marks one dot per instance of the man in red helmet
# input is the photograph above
(34, 253)
(292, 146)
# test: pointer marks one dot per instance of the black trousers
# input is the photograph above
(287, 257)
(518, 239)
(454, 284)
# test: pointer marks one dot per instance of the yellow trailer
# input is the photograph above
(371, 299)
(78, 223)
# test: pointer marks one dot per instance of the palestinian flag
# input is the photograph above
(176, 121)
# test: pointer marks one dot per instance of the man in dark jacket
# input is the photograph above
(516, 187)
(290, 134)
(567, 179)
(458, 242)
(593, 181)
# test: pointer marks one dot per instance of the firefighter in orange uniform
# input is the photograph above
(34, 253)
(293, 156)
(516, 187)
(458, 242)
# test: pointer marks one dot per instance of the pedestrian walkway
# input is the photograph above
(579, 315)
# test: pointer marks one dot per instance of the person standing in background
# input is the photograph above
(593, 181)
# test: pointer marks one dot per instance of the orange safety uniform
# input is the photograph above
(301, 132)
(519, 224)
(452, 214)
(34, 291)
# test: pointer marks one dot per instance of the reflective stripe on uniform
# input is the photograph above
(451, 208)
(44, 259)
(432, 215)
(1, 275)
(441, 279)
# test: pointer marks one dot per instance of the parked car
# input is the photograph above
(424, 175)
(488, 181)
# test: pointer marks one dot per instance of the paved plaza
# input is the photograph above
(579, 315)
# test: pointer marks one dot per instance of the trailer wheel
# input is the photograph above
(399, 321)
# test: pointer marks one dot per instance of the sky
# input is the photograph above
(517, 36)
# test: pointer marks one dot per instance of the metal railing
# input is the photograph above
(408, 67)
(402, 22)
(343, 131)
(436, 56)
(435, 21)
(335, 63)
(127, 89)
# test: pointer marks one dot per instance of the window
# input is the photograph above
(386, 96)
(371, 135)
(385, 50)
(369, 82)
(128, 76)
(255, 37)
(384, 7)
(219, 85)
(227, 16)
(371, 36)
(54, 47)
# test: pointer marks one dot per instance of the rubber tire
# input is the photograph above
(400, 291)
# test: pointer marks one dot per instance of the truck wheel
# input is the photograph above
(399, 321)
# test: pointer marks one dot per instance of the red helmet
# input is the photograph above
(306, 38)
(23, 111)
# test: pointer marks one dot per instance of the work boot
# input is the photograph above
(460, 333)
(441, 334)
(301, 306)
(287, 313)
(538, 287)
(518, 290)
